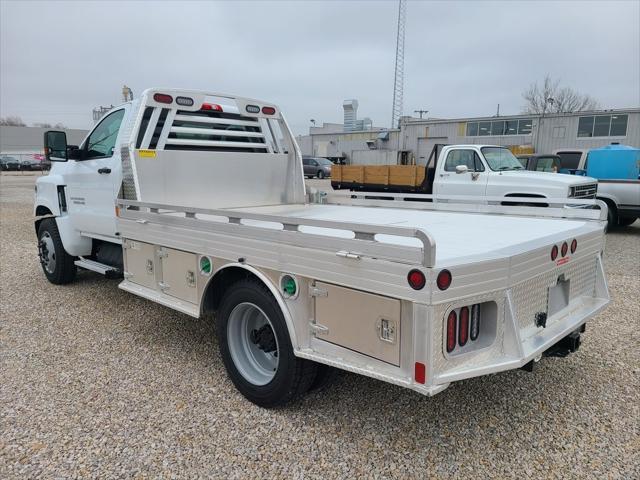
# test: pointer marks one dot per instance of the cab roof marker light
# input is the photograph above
(211, 106)
(162, 98)
(184, 101)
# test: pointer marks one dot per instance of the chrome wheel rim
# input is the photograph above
(47, 252)
(252, 343)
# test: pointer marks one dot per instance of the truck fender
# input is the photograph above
(267, 283)
(607, 198)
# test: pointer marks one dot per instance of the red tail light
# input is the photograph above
(162, 98)
(463, 334)
(211, 106)
(416, 279)
(475, 322)
(451, 331)
(564, 249)
(574, 245)
(554, 252)
(444, 279)
(420, 373)
(268, 110)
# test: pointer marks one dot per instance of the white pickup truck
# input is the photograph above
(198, 200)
(471, 170)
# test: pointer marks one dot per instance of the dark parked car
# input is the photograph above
(316, 167)
(541, 163)
(31, 164)
(9, 163)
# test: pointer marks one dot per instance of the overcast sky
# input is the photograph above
(61, 59)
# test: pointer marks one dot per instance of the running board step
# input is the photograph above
(108, 271)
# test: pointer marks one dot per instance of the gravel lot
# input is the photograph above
(95, 382)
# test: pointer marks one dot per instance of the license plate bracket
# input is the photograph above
(558, 296)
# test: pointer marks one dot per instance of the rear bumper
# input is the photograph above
(517, 347)
(532, 348)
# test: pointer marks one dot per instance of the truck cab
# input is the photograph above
(489, 170)
(85, 183)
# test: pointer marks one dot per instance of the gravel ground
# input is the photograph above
(98, 383)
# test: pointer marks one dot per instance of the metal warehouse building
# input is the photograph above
(533, 133)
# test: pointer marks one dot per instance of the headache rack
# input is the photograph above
(214, 123)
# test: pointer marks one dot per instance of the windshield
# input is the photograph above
(500, 159)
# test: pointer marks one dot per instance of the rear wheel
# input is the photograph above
(57, 265)
(256, 348)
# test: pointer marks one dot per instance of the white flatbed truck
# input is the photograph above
(198, 200)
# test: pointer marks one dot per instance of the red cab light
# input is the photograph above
(420, 373)
(451, 331)
(463, 334)
(444, 279)
(564, 249)
(416, 279)
(268, 110)
(162, 98)
(554, 252)
(574, 245)
(211, 106)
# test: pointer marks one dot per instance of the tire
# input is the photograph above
(324, 377)
(57, 265)
(612, 217)
(626, 221)
(256, 349)
(320, 174)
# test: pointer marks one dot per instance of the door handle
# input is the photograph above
(104, 170)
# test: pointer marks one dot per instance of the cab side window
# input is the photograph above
(469, 158)
(102, 140)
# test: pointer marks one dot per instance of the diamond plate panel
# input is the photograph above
(128, 186)
(530, 296)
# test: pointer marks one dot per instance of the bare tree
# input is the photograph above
(42, 125)
(12, 121)
(60, 126)
(551, 98)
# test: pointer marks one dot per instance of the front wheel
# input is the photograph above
(626, 221)
(256, 349)
(320, 174)
(57, 265)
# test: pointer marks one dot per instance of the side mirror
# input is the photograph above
(55, 146)
(462, 169)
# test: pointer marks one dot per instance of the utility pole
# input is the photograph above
(398, 82)
(421, 112)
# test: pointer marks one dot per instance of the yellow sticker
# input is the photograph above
(147, 153)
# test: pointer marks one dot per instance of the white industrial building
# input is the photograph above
(416, 137)
(30, 140)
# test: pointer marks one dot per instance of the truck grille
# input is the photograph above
(584, 191)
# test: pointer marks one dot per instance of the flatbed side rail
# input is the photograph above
(569, 208)
(291, 230)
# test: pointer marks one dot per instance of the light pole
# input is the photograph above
(421, 112)
(549, 101)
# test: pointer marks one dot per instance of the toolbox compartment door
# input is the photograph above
(179, 274)
(139, 262)
(363, 322)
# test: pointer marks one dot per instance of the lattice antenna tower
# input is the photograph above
(398, 81)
